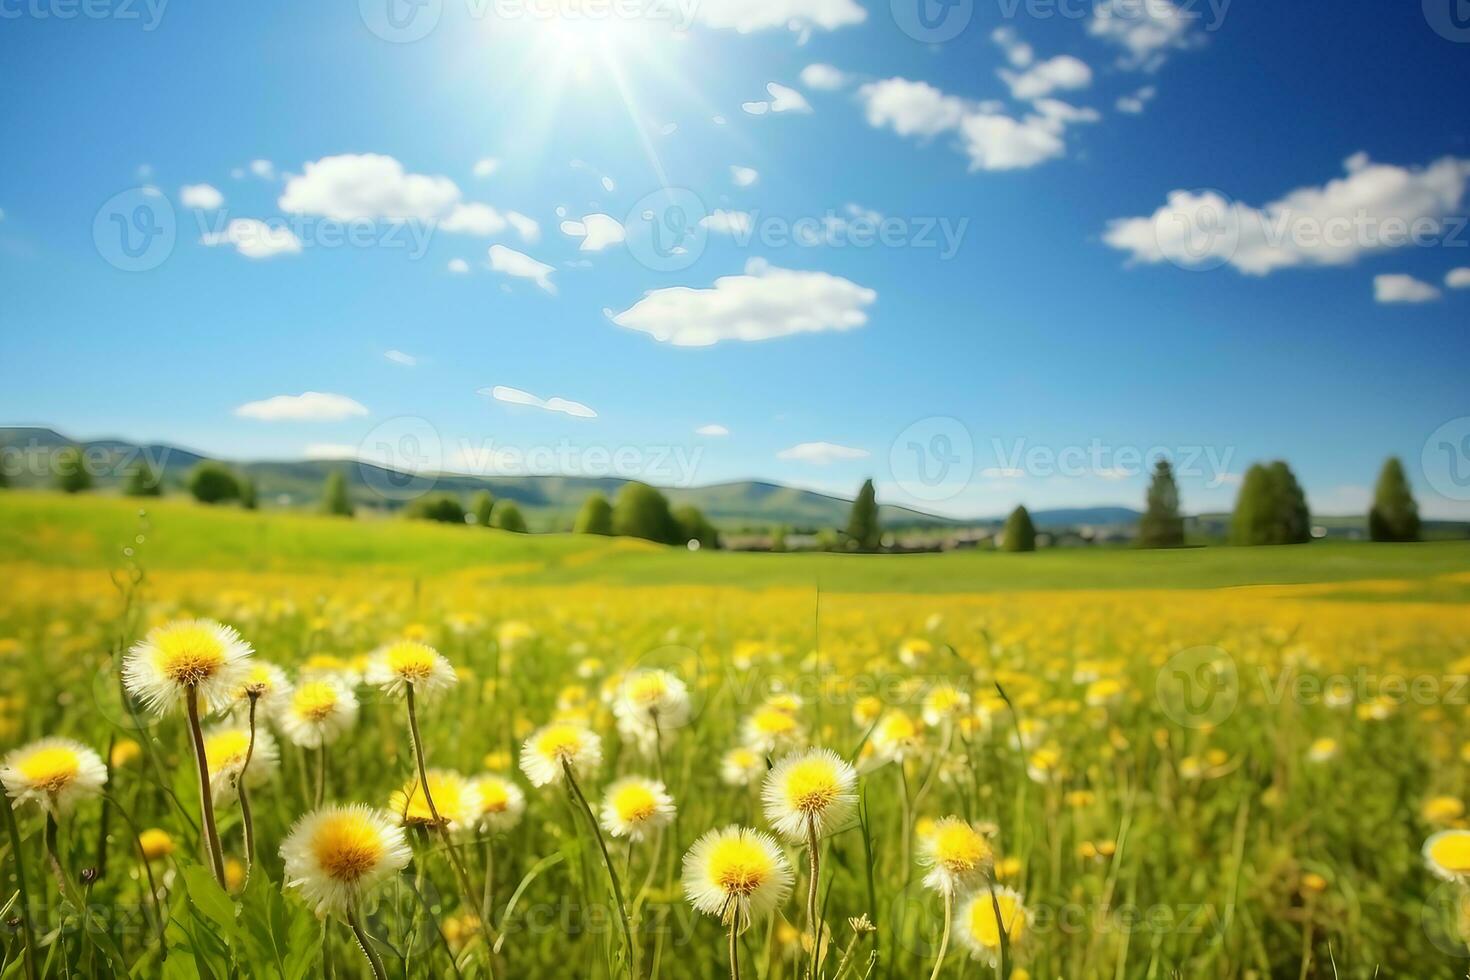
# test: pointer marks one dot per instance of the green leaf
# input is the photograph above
(211, 901)
(277, 938)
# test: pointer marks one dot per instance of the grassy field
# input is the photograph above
(1217, 763)
(90, 532)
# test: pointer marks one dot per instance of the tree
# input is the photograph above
(142, 481)
(482, 507)
(595, 517)
(694, 526)
(335, 499)
(643, 512)
(443, 508)
(212, 483)
(248, 500)
(1271, 508)
(1019, 533)
(1161, 526)
(863, 529)
(508, 517)
(1395, 514)
(70, 470)
(778, 539)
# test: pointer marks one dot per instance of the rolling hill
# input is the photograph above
(549, 502)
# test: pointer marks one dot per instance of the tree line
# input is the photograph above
(1271, 507)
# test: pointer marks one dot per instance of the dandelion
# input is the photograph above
(1322, 750)
(410, 668)
(896, 738)
(956, 854)
(456, 802)
(318, 712)
(737, 875)
(808, 795)
(501, 802)
(227, 748)
(338, 856)
(943, 704)
(913, 652)
(649, 704)
(54, 773)
(1447, 854)
(560, 752)
(769, 729)
(559, 748)
(184, 660)
(1442, 811)
(866, 710)
(155, 844)
(189, 661)
(980, 929)
(741, 766)
(265, 684)
(634, 807)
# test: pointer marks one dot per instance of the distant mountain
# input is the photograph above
(549, 502)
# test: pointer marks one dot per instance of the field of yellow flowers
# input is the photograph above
(694, 781)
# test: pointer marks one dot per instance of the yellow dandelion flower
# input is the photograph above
(979, 927)
(198, 655)
(410, 664)
(634, 807)
(1447, 854)
(956, 854)
(558, 746)
(809, 793)
(737, 875)
(456, 801)
(54, 773)
(338, 855)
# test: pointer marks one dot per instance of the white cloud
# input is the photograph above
(1402, 289)
(309, 406)
(368, 186)
(727, 222)
(1018, 52)
(763, 303)
(821, 453)
(263, 169)
(911, 108)
(990, 138)
(329, 450)
(519, 265)
(1375, 207)
(746, 16)
(1144, 29)
(1003, 473)
(744, 176)
(515, 396)
(202, 196)
(472, 218)
(486, 167)
(1133, 104)
(713, 429)
(783, 99)
(254, 239)
(459, 266)
(399, 357)
(597, 231)
(823, 78)
(1062, 73)
(526, 227)
(1458, 278)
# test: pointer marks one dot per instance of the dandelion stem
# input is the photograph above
(734, 949)
(462, 877)
(20, 877)
(612, 875)
(245, 795)
(374, 960)
(944, 938)
(321, 772)
(206, 798)
(813, 917)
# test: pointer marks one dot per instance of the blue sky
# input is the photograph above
(988, 268)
